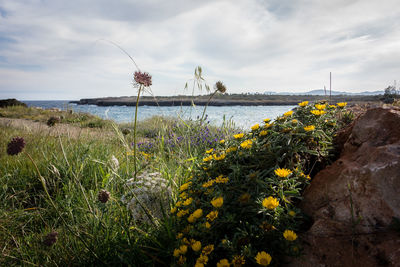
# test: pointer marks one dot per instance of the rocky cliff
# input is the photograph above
(354, 203)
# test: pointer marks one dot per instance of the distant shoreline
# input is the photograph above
(224, 100)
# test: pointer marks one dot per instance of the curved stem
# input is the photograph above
(134, 131)
(204, 111)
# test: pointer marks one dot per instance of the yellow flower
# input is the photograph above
(289, 235)
(267, 120)
(182, 213)
(341, 104)
(191, 218)
(173, 210)
(253, 175)
(223, 263)
(207, 225)
(267, 227)
(210, 157)
(244, 198)
(196, 246)
(292, 213)
(217, 202)
(303, 104)
(221, 179)
(263, 133)
(198, 213)
(238, 136)
(212, 215)
(209, 151)
(207, 250)
(208, 184)
(332, 106)
(320, 107)
(238, 261)
(295, 121)
(287, 114)
(247, 144)
(222, 141)
(188, 201)
(179, 235)
(203, 259)
(263, 258)
(270, 203)
(183, 195)
(267, 125)
(178, 204)
(255, 127)
(317, 112)
(231, 149)
(309, 128)
(283, 172)
(185, 186)
(176, 252)
(183, 249)
(182, 260)
(220, 157)
(185, 240)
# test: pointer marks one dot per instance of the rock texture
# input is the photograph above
(355, 201)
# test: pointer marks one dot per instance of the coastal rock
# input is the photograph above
(10, 102)
(355, 202)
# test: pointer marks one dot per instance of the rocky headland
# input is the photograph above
(222, 100)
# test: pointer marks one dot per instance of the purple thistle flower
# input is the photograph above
(142, 78)
(15, 146)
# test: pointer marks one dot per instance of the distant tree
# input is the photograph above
(390, 94)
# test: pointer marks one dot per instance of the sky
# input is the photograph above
(66, 50)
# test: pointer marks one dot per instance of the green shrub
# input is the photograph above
(240, 204)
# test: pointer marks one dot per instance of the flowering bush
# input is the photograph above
(239, 207)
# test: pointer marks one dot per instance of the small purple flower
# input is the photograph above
(15, 146)
(142, 78)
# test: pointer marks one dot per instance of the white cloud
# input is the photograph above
(52, 49)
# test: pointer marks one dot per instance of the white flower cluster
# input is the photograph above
(148, 196)
(114, 164)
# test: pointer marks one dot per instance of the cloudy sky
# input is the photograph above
(58, 49)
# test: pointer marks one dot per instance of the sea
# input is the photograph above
(239, 116)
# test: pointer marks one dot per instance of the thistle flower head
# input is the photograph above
(50, 239)
(15, 146)
(142, 78)
(103, 196)
(219, 86)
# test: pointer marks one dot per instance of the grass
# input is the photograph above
(76, 167)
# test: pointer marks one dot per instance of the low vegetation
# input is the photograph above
(203, 194)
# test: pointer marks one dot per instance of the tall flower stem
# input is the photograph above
(134, 131)
(205, 107)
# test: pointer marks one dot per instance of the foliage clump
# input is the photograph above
(239, 206)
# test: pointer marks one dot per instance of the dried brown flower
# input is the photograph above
(50, 239)
(103, 196)
(220, 87)
(15, 146)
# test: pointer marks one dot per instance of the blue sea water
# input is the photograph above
(241, 116)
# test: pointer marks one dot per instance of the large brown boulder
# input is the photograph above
(354, 203)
